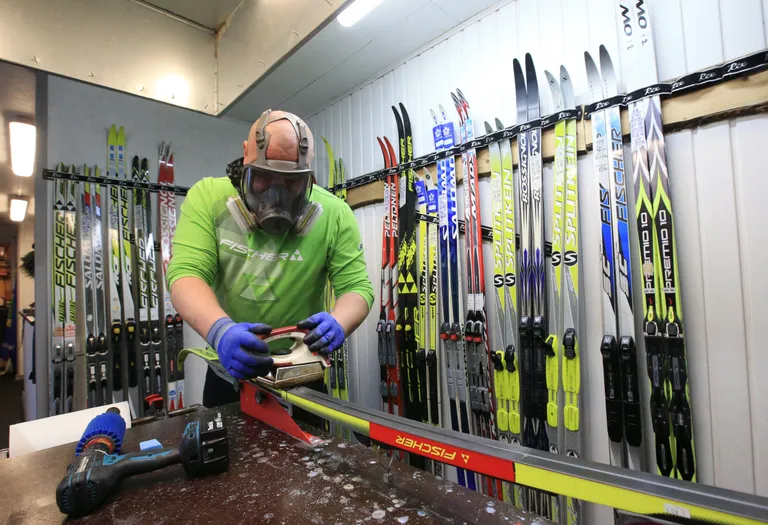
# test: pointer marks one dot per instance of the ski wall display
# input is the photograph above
(532, 395)
(657, 256)
(87, 298)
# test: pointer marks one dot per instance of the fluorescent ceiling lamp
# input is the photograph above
(22, 148)
(18, 209)
(356, 10)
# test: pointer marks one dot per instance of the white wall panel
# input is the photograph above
(748, 135)
(716, 191)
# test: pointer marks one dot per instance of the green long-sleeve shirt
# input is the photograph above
(258, 278)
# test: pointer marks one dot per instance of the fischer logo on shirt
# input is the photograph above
(241, 249)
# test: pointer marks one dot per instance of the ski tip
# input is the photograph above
(399, 122)
(606, 64)
(610, 87)
(406, 118)
(550, 78)
(569, 101)
(529, 63)
(555, 91)
(499, 125)
(488, 128)
(593, 78)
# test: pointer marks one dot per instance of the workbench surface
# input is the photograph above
(272, 479)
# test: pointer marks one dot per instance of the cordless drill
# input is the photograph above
(99, 467)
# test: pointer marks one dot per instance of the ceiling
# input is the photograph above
(208, 13)
(17, 99)
(340, 58)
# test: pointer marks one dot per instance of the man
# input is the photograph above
(254, 251)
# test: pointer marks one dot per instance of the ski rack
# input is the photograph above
(635, 492)
(487, 232)
(105, 181)
(691, 82)
(753, 63)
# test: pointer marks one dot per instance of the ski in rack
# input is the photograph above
(479, 372)
(178, 322)
(622, 398)
(426, 322)
(389, 388)
(166, 204)
(341, 357)
(506, 377)
(101, 342)
(533, 320)
(86, 276)
(142, 284)
(407, 282)
(563, 290)
(337, 374)
(153, 353)
(70, 323)
(118, 327)
(451, 329)
(126, 279)
(662, 309)
(59, 303)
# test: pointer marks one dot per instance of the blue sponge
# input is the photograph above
(109, 424)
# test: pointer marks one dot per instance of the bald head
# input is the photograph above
(283, 141)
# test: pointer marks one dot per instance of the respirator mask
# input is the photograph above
(274, 192)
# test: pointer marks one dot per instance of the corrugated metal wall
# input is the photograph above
(718, 180)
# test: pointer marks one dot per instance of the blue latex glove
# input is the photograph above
(327, 334)
(243, 354)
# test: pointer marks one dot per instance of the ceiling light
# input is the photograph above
(18, 209)
(356, 10)
(22, 148)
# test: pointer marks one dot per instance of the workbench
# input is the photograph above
(272, 478)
